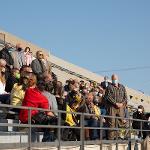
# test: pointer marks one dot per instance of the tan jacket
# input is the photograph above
(17, 95)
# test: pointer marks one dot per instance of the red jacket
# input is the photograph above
(33, 98)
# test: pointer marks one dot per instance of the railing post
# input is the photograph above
(82, 132)
(101, 133)
(29, 128)
(141, 128)
(117, 132)
(129, 146)
(59, 130)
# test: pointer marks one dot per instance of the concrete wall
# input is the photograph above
(62, 75)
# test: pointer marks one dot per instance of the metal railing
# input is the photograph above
(82, 142)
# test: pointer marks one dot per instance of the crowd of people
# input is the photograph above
(26, 80)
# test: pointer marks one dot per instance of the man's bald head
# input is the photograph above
(114, 77)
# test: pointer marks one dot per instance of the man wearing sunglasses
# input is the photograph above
(37, 65)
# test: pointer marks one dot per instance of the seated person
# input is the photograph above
(4, 96)
(12, 79)
(26, 70)
(91, 121)
(35, 98)
(18, 92)
(72, 103)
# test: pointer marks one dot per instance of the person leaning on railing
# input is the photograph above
(35, 98)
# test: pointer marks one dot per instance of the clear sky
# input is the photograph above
(94, 34)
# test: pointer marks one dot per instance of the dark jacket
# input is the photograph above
(115, 95)
(104, 85)
(137, 124)
(4, 54)
(144, 125)
(10, 83)
(38, 67)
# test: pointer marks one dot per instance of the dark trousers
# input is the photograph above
(112, 122)
(94, 132)
(48, 135)
(5, 98)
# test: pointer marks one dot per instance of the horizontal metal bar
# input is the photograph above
(63, 143)
(60, 111)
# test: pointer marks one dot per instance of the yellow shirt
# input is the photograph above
(17, 95)
(69, 117)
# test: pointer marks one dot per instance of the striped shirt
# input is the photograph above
(115, 94)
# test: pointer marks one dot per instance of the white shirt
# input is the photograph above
(2, 88)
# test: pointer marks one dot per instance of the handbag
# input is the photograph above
(42, 118)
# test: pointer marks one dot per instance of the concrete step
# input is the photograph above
(17, 137)
(9, 128)
(12, 138)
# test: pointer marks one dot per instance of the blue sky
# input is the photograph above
(94, 34)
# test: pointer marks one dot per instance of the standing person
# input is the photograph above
(47, 63)
(5, 54)
(18, 56)
(28, 56)
(105, 83)
(37, 65)
(140, 114)
(115, 97)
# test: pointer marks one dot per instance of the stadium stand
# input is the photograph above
(64, 71)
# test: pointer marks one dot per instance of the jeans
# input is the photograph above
(48, 135)
(93, 123)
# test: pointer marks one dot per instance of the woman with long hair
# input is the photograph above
(4, 96)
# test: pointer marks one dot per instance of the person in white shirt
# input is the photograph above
(4, 96)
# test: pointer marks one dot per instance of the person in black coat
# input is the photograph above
(5, 54)
(105, 83)
(12, 79)
(140, 114)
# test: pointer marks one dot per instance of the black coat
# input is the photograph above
(10, 83)
(137, 124)
(103, 85)
(4, 54)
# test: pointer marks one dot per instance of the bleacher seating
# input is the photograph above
(16, 135)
